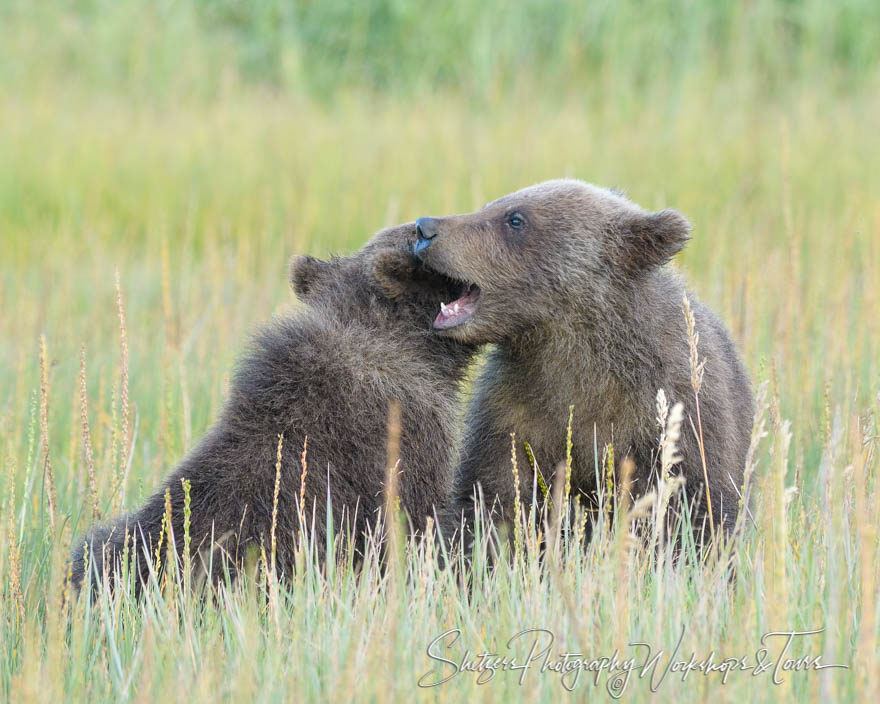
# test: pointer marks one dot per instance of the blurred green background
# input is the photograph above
(195, 145)
(208, 48)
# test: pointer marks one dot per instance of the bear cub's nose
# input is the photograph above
(426, 229)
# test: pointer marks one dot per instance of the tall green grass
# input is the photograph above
(194, 146)
(202, 48)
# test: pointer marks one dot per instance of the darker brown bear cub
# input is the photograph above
(329, 372)
(566, 279)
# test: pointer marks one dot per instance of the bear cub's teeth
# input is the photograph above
(457, 312)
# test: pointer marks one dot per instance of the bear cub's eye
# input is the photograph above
(516, 221)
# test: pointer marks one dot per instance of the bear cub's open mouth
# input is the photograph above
(460, 310)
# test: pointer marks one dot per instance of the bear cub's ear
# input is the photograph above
(652, 239)
(305, 272)
(393, 271)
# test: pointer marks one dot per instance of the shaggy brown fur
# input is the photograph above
(570, 288)
(328, 371)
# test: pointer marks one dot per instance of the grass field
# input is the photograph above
(159, 166)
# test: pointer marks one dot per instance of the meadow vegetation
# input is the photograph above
(160, 162)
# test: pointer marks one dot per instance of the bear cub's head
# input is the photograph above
(525, 257)
(384, 274)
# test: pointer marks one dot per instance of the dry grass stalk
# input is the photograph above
(428, 568)
(171, 545)
(115, 451)
(157, 555)
(662, 405)
(44, 432)
(393, 462)
(697, 368)
(123, 345)
(186, 485)
(669, 456)
(263, 568)
(517, 507)
(14, 566)
(303, 460)
(537, 481)
(275, 494)
(393, 537)
(555, 516)
(759, 432)
(609, 477)
(568, 446)
(88, 454)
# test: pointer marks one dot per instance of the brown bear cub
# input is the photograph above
(327, 372)
(567, 280)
